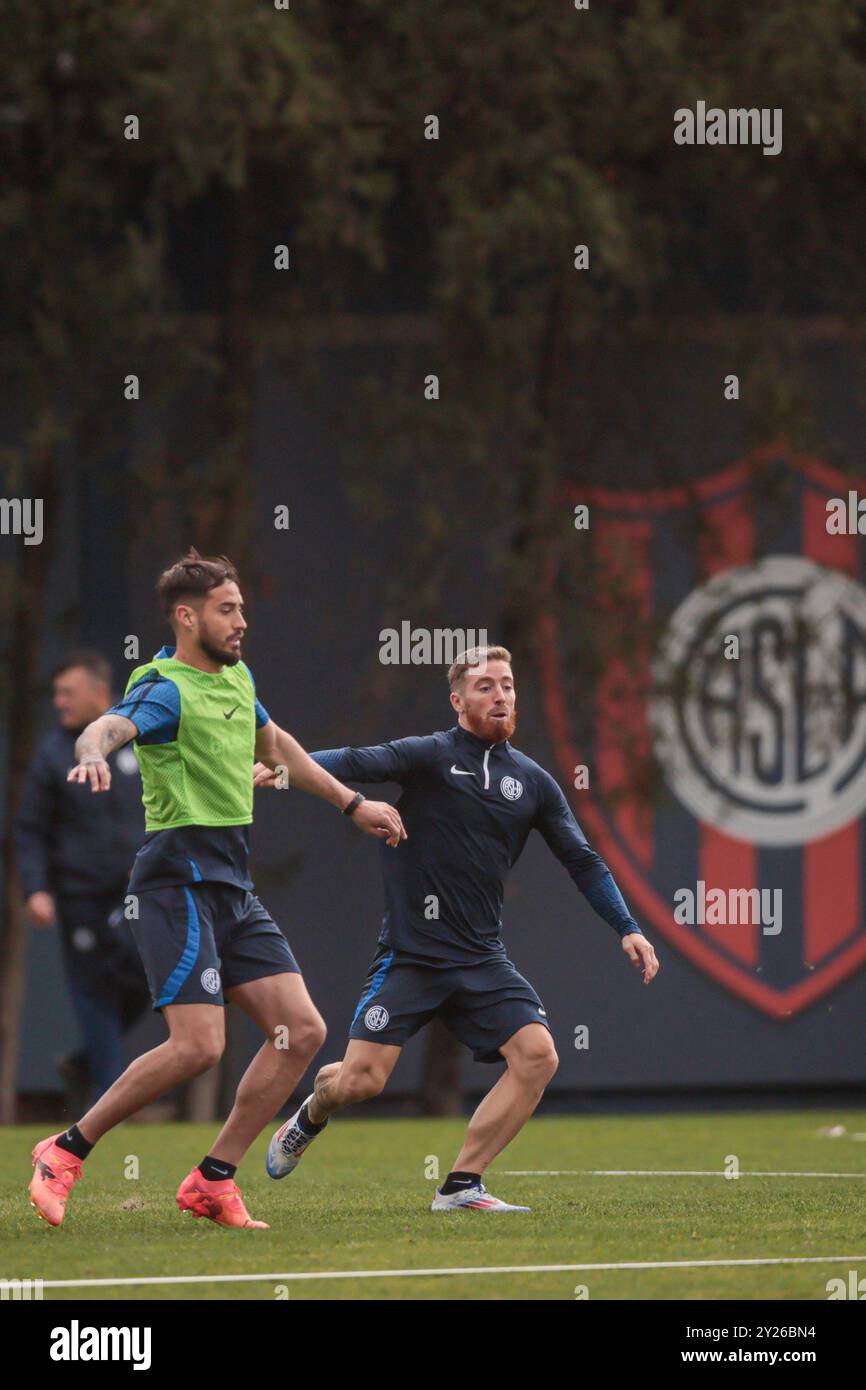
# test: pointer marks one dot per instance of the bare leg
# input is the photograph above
(361, 1074)
(275, 1002)
(505, 1109)
(195, 1044)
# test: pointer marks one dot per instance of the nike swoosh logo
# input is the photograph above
(230, 713)
(459, 772)
(541, 1011)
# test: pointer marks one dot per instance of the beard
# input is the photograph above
(215, 653)
(492, 730)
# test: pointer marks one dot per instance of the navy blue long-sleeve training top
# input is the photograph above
(468, 807)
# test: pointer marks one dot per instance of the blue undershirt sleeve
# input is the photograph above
(153, 705)
(262, 716)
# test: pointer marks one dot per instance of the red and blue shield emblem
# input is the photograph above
(725, 740)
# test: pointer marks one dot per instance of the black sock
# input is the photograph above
(216, 1169)
(306, 1124)
(74, 1142)
(456, 1182)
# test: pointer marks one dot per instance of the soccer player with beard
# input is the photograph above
(202, 934)
(469, 802)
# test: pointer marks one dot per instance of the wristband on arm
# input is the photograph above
(354, 803)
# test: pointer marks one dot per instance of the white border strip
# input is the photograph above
(296, 1275)
(660, 1173)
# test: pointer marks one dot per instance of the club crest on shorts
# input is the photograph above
(210, 980)
(511, 789)
(726, 745)
(376, 1018)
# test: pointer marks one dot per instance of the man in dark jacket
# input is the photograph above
(74, 854)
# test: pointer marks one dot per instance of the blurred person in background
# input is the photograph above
(74, 854)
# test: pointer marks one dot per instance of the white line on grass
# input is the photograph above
(428, 1273)
(659, 1173)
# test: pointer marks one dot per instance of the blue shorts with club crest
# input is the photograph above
(200, 939)
(483, 1004)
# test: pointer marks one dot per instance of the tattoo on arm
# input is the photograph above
(106, 733)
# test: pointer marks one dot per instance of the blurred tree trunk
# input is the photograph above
(21, 701)
(441, 1084)
(221, 505)
(441, 1090)
(535, 520)
(201, 1096)
(221, 514)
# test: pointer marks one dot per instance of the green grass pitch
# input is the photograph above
(360, 1201)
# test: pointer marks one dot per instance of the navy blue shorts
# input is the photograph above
(196, 941)
(482, 1004)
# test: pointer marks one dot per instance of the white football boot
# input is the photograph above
(474, 1198)
(288, 1146)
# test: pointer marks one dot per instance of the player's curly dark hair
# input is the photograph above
(192, 576)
